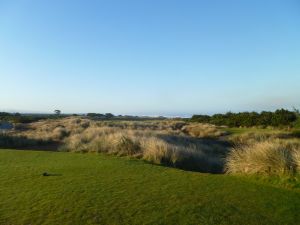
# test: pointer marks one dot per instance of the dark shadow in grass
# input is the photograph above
(188, 140)
(8, 141)
(210, 159)
(296, 134)
(46, 174)
(214, 169)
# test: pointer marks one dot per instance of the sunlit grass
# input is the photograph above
(101, 189)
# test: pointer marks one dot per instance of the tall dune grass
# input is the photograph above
(191, 146)
(296, 157)
(158, 147)
(202, 130)
(276, 157)
(254, 137)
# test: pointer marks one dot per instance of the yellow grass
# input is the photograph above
(193, 146)
(203, 130)
(265, 157)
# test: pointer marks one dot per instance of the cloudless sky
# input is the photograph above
(149, 57)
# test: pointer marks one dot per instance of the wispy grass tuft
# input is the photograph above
(275, 157)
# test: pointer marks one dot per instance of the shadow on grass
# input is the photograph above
(187, 166)
(209, 156)
(296, 133)
(46, 174)
(188, 140)
(210, 159)
(23, 143)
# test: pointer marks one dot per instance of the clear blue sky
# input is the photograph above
(151, 57)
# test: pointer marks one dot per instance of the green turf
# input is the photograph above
(99, 189)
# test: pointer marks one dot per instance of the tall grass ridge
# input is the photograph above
(202, 130)
(156, 146)
(296, 158)
(187, 145)
(260, 135)
(276, 157)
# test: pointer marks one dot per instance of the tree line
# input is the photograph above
(28, 118)
(280, 117)
(110, 116)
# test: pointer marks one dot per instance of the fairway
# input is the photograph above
(99, 189)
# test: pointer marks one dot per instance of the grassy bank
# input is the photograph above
(101, 189)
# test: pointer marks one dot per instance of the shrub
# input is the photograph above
(280, 117)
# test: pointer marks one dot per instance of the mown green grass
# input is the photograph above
(99, 189)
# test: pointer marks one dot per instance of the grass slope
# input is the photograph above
(99, 189)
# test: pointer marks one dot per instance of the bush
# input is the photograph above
(280, 117)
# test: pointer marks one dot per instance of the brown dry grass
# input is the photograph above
(191, 146)
(156, 146)
(265, 157)
(202, 130)
(168, 142)
(254, 137)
